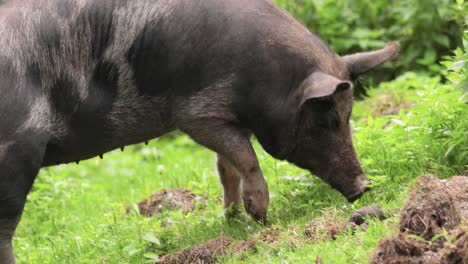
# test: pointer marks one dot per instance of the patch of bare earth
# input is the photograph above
(176, 199)
(221, 247)
(433, 226)
(325, 227)
(212, 251)
(430, 229)
(208, 252)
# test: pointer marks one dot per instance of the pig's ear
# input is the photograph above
(319, 84)
(361, 63)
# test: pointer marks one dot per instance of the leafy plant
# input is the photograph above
(457, 66)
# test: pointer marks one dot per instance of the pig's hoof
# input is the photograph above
(256, 198)
(257, 211)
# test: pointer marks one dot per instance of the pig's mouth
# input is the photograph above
(363, 186)
(353, 197)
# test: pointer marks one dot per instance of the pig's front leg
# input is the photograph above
(234, 145)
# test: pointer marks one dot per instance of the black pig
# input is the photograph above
(82, 77)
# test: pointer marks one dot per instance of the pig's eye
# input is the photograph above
(329, 119)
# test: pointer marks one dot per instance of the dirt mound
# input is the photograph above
(430, 208)
(209, 252)
(400, 249)
(430, 229)
(176, 199)
(456, 251)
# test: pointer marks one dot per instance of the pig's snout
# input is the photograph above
(360, 187)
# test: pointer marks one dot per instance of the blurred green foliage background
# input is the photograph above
(427, 29)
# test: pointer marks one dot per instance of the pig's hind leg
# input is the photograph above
(231, 181)
(20, 160)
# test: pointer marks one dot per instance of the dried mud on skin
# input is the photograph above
(433, 225)
(176, 199)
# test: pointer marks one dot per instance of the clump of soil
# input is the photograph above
(209, 252)
(359, 217)
(430, 209)
(177, 199)
(430, 229)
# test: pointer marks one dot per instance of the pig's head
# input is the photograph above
(323, 138)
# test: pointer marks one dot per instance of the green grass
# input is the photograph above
(76, 213)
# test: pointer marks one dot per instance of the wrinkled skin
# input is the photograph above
(79, 78)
